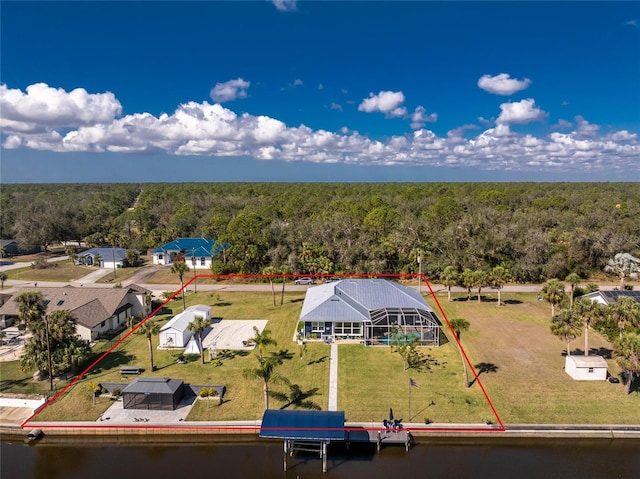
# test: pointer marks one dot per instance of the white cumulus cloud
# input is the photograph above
(502, 84)
(211, 130)
(419, 117)
(523, 111)
(41, 107)
(387, 102)
(229, 90)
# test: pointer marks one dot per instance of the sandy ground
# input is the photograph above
(14, 415)
(231, 333)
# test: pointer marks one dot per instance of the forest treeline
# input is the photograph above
(536, 230)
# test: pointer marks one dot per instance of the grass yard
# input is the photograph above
(244, 397)
(521, 365)
(60, 271)
(518, 360)
(371, 380)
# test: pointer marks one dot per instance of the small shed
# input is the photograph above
(153, 393)
(176, 333)
(586, 368)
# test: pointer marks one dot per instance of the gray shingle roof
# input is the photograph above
(153, 386)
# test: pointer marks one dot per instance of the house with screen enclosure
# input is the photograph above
(369, 311)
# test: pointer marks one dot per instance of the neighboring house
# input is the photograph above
(586, 368)
(176, 333)
(98, 311)
(9, 246)
(368, 310)
(611, 297)
(106, 256)
(196, 253)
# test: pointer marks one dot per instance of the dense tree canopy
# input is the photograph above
(536, 231)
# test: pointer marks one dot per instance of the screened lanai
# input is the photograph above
(400, 324)
(373, 311)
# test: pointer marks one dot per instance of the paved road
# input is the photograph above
(145, 273)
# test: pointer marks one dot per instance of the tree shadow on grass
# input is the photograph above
(113, 360)
(296, 397)
(425, 362)
(318, 361)
(482, 368)
(231, 354)
(283, 354)
(604, 352)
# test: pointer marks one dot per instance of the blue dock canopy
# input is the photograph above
(303, 425)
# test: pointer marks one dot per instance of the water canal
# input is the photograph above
(494, 458)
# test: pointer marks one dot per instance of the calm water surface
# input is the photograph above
(442, 458)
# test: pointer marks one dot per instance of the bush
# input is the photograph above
(427, 420)
(116, 392)
(204, 393)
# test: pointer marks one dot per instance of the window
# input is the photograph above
(590, 370)
(102, 324)
(160, 257)
(202, 261)
(317, 327)
(348, 329)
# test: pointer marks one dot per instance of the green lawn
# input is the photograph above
(59, 271)
(518, 360)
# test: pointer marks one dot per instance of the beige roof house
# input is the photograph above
(97, 311)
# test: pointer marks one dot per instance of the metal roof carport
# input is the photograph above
(304, 430)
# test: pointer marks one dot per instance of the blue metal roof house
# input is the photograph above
(367, 310)
(196, 253)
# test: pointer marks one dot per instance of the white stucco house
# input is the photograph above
(586, 368)
(176, 333)
(196, 253)
(103, 257)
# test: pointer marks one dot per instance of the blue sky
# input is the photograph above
(319, 91)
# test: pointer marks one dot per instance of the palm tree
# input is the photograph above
(574, 280)
(3, 278)
(31, 311)
(269, 272)
(449, 278)
(198, 325)
(499, 277)
(261, 340)
(467, 280)
(458, 325)
(479, 280)
(627, 354)
(266, 372)
(180, 269)
(93, 387)
(625, 313)
(149, 329)
(591, 312)
(567, 326)
(553, 292)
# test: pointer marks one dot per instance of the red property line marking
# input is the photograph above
(230, 428)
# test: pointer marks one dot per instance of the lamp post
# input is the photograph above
(419, 272)
(113, 256)
(46, 331)
(193, 263)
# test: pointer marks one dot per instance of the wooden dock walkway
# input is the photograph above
(379, 437)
